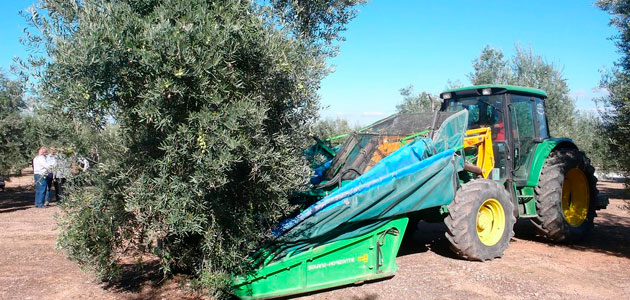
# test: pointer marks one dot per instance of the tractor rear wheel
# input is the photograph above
(480, 221)
(566, 196)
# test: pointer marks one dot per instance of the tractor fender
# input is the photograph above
(542, 152)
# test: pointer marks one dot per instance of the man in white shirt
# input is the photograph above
(40, 171)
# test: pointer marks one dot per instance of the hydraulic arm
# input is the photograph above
(481, 138)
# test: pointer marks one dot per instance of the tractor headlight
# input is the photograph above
(486, 91)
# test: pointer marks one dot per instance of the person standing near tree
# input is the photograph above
(62, 171)
(52, 166)
(40, 172)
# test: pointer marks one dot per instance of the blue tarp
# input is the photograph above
(415, 177)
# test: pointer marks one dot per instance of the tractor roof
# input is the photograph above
(499, 88)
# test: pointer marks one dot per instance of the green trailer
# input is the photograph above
(480, 163)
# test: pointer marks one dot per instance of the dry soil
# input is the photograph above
(598, 268)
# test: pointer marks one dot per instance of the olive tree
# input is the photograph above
(211, 101)
(420, 102)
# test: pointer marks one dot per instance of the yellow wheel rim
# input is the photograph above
(490, 222)
(575, 197)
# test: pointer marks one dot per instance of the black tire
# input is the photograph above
(550, 221)
(461, 223)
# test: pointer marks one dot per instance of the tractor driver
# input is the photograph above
(498, 128)
(491, 116)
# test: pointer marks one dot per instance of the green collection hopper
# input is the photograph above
(365, 257)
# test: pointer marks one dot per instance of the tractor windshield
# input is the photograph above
(483, 111)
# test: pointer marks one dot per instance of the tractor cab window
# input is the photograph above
(543, 130)
(483, 111)
(486, 111)
(522, 109)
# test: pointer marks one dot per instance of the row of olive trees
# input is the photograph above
(14, 127)
(421, 102)
(207, 104)
(616, 105)
(26, 125)
(328, 128)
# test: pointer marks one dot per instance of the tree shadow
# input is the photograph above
(145, 281)
(363, 297)
(426, 237)
(14, 199)
(610, 235)
(366, 297)
(134, 277)
(611, 191)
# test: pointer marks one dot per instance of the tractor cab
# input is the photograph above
(517, 121)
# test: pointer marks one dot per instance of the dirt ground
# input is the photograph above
(598, 268)
(31, 267)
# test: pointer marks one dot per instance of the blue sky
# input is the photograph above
(392, 44)
(11, 27)
(395, 43)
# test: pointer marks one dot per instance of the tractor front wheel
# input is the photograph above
(566, 196)
(480, 221)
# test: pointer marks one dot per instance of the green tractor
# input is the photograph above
(484, 160)
(544, 179)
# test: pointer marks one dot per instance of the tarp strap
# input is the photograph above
(380, 242)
